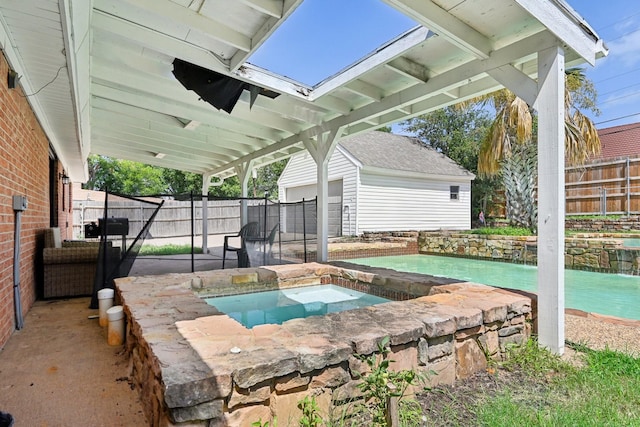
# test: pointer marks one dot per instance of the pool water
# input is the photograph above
(281, 305)
(631, 243)
(612, 294)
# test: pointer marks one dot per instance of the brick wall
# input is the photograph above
(24, 170)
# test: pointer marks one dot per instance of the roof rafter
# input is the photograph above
(408, 68)
(446, 25)
(268, 7)
(172, 91)
(158, 41)
(178, 21)
(365, 89)
(196, 143)
(180, 109)
(429, 95)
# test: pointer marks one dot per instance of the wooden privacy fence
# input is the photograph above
(603, 187)
(173, 220)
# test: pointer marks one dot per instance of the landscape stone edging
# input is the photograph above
(179, 345)
(602, 252)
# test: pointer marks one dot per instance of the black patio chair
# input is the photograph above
(271, 239)
(250, 229)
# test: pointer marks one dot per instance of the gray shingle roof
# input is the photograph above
(399, 152)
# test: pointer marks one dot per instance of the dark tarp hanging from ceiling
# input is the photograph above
(217, 89)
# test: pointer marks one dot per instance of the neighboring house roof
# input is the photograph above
(619, 141)
(397, 152)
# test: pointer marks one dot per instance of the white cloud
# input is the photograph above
(626, 49)
(624, 98)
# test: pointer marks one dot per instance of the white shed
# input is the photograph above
(385, 182)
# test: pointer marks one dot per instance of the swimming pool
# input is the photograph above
(278, 306)
(611, 294)
(633, 243)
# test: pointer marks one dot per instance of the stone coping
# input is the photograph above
(194, 347)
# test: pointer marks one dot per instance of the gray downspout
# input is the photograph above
(16, 269)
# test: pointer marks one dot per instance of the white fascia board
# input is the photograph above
(264, 78)
(382, 55)
(357, 163)
(568, 26)
(375, 170)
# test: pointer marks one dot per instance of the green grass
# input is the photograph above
(605, 392)
(502, 231)
(168, 250)
(595, 217)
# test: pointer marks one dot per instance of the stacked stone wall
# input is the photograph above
(619, 225)
(196, 366)
(590, 252)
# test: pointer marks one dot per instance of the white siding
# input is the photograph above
(392, 203)
(300, 170)
(299, 177)
(380, 202)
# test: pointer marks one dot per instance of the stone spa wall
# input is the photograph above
(196, 366)
(594, 252)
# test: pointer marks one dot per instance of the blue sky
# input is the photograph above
(339, 40)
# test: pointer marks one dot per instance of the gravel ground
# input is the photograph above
(599, 332)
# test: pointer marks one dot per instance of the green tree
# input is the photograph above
(124, 176)
(180, 182)
(458, 131)
(132, 178)
(267, 180)
(229, 188)
(514, 126)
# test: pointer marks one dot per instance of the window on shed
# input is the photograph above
(454, 191)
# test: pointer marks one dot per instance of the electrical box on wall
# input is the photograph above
(19, 203)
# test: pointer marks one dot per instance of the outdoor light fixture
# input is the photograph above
(159, 155)
(64, 178)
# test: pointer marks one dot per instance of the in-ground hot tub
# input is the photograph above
(192, 363)
(278, 306)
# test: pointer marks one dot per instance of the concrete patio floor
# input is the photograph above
(59, 371)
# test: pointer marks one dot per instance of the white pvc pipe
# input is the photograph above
(115, 329)
(105, 302)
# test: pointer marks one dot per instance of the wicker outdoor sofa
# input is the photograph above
(70, 267)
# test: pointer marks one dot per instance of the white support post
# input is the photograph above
(551, 200)
(244, 173)
(206, 179)
(321, 150)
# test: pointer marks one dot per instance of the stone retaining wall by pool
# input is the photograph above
(187, 368)
(619, 225)
(594, 252)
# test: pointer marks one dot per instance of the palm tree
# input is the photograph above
(510, 146)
